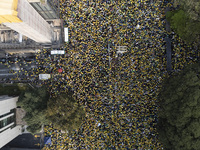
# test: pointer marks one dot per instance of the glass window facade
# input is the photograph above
(47, 11)
(11, 111)
(5, 122)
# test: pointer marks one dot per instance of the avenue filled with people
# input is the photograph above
(119, 93)
(118, 90)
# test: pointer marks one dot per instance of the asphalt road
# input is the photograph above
(25, 141)
(5, 74)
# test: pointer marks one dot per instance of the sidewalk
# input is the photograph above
(168, 44)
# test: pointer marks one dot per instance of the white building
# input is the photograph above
(8, 128)
(35, 19)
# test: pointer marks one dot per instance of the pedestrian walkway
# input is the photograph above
(168, 43)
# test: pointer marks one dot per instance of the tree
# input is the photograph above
(65, 113)
(186, 28)
(191, 7)
(179, 112)
(12, 90)
(34, 102)
(185, 21)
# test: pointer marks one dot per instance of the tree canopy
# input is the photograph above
(65, 113)
(185, 21)
(186, 28)
(34, 102)
(191, 7)
(12, 90)
(179, 113)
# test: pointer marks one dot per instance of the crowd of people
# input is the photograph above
(118, 91)
(183, 53)
(17, 69)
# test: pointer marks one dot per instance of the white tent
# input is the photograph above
(59, 52)
(44, 76)
(66, 34)
(121, 49)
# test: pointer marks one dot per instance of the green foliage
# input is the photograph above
(65, 113)
(11, 90)
(34, 128)
(179, 113)
(186, 28)
(34, 102)
(191, 7)
(180, 18)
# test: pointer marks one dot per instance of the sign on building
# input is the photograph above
(66, 34)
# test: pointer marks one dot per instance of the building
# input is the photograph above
(13, 133)
(30, 24)
(8, 125)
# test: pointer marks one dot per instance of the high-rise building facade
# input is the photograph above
(37, 20)
(8, 127)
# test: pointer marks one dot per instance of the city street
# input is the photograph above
(117, 56)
